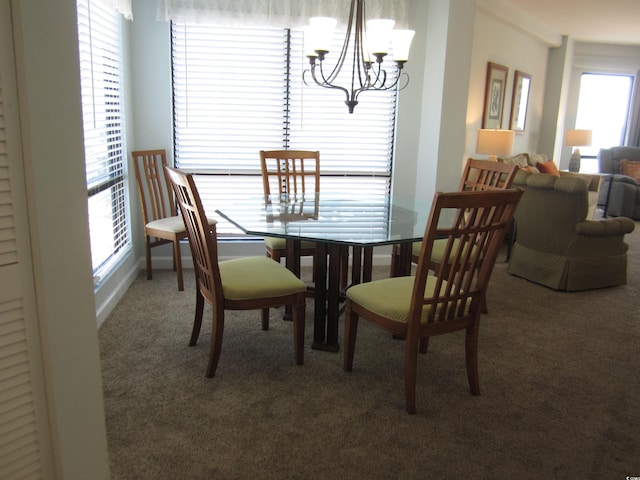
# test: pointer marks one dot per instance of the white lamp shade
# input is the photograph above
(379, 35)
(495, 142)
(317, 35)
(577, 138)
(401, 42)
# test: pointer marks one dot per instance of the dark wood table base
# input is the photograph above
(330, 264)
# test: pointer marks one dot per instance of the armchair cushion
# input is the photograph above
(605, 228)
(592, 181)
(556, 246)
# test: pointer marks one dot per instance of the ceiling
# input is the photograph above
(600, 21)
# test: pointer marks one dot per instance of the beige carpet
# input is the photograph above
(559, 375)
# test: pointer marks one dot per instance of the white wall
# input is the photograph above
(499, 41)
(432, 113)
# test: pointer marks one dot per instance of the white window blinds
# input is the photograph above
(105, 158)
(239, 90)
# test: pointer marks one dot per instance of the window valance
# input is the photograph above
(276, 13)
(122, 6)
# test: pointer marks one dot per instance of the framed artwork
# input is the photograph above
(519, 101)
(494, 95)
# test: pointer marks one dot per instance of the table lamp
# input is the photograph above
(576, 138)
(494, 142)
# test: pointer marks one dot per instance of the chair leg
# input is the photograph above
(344, 268)
(298, 331)
(148, 253)
(410, 368)
(424, 345)
(265, 319)
(177, 263)
(197, 319)
(350, 333)
(471, 355)
(217, 330)
(394, 260)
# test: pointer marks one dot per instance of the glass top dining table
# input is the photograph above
(336, 222)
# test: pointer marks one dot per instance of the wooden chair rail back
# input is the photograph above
(473, 241)
(294, 172)
(155, 193)
(201, 234)
(486, 175)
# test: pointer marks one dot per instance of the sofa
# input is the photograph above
(529, 162)
(620, 190)
(556, 246)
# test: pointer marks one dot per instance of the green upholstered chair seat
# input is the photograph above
(415, 248)
(278, 243)
(257, 277)
(438, 249)
(390, 298)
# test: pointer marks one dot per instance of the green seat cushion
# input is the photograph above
(437, 252)
(277, 243)
(257, 277)
(390, 298)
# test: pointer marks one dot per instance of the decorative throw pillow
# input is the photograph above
(630, 168)
(535, 158)
(548, 167)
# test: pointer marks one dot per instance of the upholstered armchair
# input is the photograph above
(620, 192)
(556, 246)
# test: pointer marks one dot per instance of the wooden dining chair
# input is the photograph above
(477, 175)
(249, 283)
(293, 173)
(162, 224)
(430, 303)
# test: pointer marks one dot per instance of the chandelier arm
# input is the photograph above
(358, 51)
(378, 71)
(325, 83)
(345, 46)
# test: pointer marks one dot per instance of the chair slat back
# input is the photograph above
(486, 175)
(290, 172)
(156, 198)
(473, 240)
(201, 233)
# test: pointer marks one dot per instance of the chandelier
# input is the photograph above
(365, 48)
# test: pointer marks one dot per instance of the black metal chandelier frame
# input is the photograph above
(364, 75)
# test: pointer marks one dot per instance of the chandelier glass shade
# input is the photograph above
(363, 52)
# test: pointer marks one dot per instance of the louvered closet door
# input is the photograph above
(24, 432)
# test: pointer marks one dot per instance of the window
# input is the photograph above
(105, 158)
(239, 90)
(603, 105)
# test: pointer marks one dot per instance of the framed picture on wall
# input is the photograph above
(494, 95)
(519, 101)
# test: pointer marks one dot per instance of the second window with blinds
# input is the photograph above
(237, 91)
